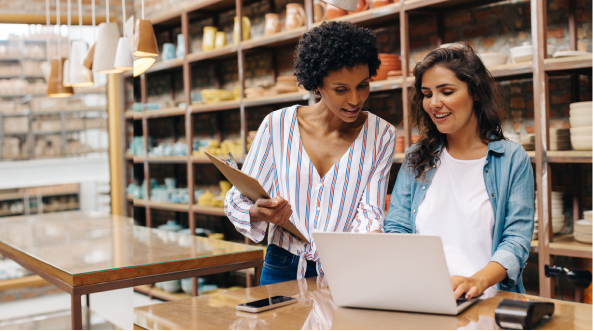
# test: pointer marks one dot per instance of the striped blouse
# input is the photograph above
(349, 198)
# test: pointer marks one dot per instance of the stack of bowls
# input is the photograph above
(389, 62)
(491, 59)
(559, 139)
(286, 84)
(557, 214)
(581, 125)
(214, 95)
(528, 141)
(582, 229)
(525, 53)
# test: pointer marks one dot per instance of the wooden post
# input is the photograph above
(405, 58)
(116, 147)
(143, 97)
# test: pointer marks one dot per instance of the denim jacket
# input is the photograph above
(508, 177)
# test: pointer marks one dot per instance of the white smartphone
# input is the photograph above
(266, 304)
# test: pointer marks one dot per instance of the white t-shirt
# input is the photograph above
(456, 208)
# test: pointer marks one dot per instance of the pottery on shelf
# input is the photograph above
(220, 40)
(180, 52)
(272, 24)
(334, 12)
(491, 59)
(208, 41)
(295, 16)
(246, 26)
(168, 51)
(362, 5)
(381, 3)
(319, 12)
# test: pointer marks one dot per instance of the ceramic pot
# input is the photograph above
(168, 51)
(209, 37)
(334, 12)
(295, 16)
(362, 5)
(272, 24)
(220, 39)
(319, 12)
(246, 30)
(380, 3)
(180, 46)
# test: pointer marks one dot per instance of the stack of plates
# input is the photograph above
(557, 214)
(582, 229)
(559, 139)
(528, 141)
(581, 136)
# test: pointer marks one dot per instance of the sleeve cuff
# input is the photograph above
(510, 262)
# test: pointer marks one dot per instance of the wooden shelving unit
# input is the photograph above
(23, 282)
(396, 14)
(156, 292)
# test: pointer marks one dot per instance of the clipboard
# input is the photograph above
(251, 188)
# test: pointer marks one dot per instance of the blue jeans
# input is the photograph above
(281, 266)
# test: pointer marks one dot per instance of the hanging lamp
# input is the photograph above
(106, 46)
(80, 76)
(123, 56)
(88, 59)
(145, 46)
(55, 86)
(67, 62)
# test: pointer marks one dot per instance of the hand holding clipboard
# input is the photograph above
(251, 188)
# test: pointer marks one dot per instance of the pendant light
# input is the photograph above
(123, 56)
(145, 46)
(88, 59)
(80, 76)
(55, 86)
(106, 46)
(67, 62)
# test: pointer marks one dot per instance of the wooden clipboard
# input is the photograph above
(249, 187)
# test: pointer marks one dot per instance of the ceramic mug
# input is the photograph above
(295, 16)
(168, 51)
(180, 46)
(380, 3)
(246, 30)
(362, 5)
(319, 12)
(334, 12)
(272, 24)
(220, 39)
(209, 38)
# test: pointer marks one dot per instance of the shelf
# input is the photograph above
(10, 58)
(278, 98)
(129, 114)
(161, 159)
(129, 197)
(216, 54)
(129, 157)
(372, 16)
(176, 111)
(275, 40)
(28, 281)
(399, 157)
(207, 210)
(160, 294)
(11, 196)
(511, 70)
(565, 156)
(568, 63)
(219, 106)
(206, 160)
(182, 207)
(389, 84)
(566, 245)
(164, 65)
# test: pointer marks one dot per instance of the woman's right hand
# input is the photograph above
(276, 211)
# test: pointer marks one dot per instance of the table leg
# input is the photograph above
(76, 311)
(257, 275)
(88, 300)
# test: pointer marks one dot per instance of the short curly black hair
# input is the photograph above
(332, 46)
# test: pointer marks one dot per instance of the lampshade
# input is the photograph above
(143, 64)
(55, 86)
(88, 59)
(129, 33)
(66, 75)
(46, 69)
(80, 76)
(123, 56)
(105, 48)
(144, 39)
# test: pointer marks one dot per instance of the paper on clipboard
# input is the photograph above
(249, 187)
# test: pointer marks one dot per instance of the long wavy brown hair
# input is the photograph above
(462, 60)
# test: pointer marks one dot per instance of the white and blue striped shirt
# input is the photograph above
(349, 198)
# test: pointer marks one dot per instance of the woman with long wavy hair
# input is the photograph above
(463, 181)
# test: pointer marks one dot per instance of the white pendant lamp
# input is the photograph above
(67, 62)
(123, 56)
(106, 46)
(145, 46)
(80, 76)
(55, 84)
(90, 54)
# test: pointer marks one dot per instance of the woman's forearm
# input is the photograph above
(492, 274)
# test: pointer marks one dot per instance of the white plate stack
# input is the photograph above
(559, 139)
(582, 229)
(557, 214)
(581, 118)
(528, 141)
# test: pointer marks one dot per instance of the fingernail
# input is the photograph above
(467, 296)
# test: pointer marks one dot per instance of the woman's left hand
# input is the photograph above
(471, 286)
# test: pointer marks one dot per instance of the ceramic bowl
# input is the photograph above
(585, 131)
(171, 286)
(585, 104)
(557, 227)
(491, 59)
(525, 53)
(581, 143)
(588, 216)
(580, 121)
(581, 112)
(582, 226)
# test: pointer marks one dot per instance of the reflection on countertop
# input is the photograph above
(315, 310)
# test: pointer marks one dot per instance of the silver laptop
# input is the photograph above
(405, 272)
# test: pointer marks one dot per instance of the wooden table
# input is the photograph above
(83, 253)
(316, 310)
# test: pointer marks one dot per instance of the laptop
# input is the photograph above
(405, 272)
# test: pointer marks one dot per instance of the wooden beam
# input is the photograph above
(115, 143)
(405, 58)
(41, 19)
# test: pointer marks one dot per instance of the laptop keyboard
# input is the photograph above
(461, 301)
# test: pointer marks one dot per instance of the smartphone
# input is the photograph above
(266, 304)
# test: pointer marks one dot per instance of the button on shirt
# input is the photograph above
(349, 198)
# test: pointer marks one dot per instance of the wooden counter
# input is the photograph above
(316, 310)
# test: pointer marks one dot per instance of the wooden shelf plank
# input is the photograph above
(219, 106)
(275, 40)
(11, 196)
(129, 156)
(164, 65)
(175, 111)
(129, 114)
(570, 156)
(399, 157)
(279, 98)
(161, 159)
(129, 197)
(566, 245)
(183, 207)
(511, 69)
(207, 210)
(568, 63)
(160, 294)
(388, 84)
(371, 16)
(206, 160)
(219, 53)
(28, 281)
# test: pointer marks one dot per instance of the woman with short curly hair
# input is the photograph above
(326, 165)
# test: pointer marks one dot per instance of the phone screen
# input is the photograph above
(267, 302)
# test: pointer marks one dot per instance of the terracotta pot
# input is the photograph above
(319, 12)
(362, 5)
(334, 12)
(272, 24)
(295, 16)
(379, 3)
